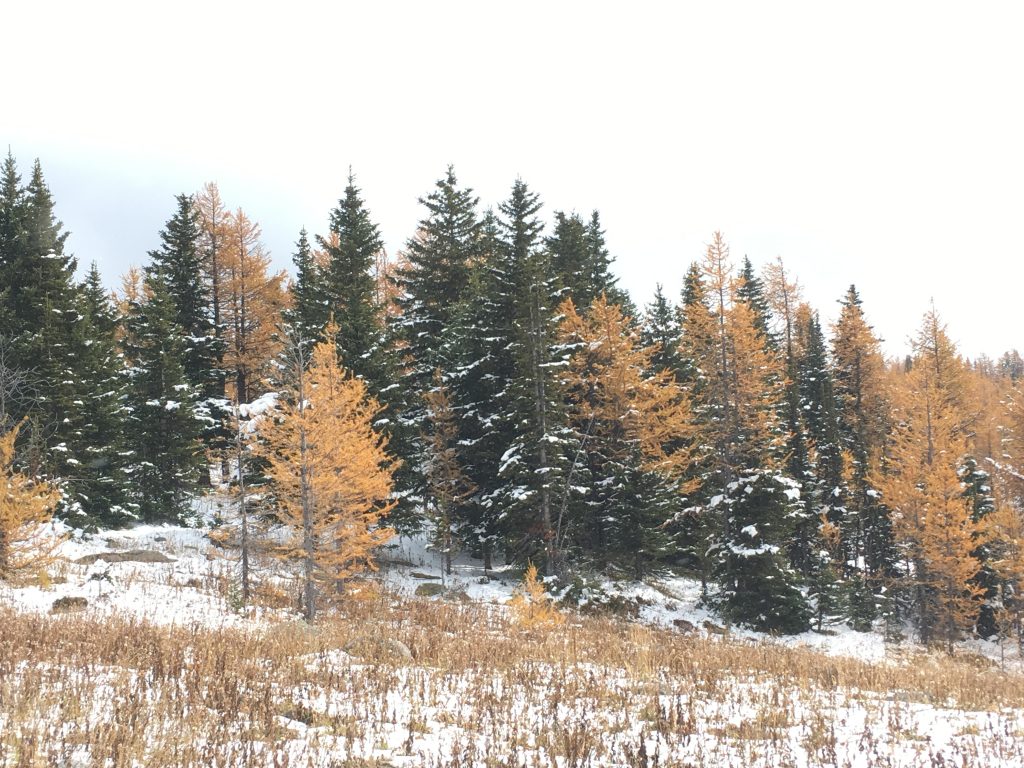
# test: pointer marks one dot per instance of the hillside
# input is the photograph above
(163, 667)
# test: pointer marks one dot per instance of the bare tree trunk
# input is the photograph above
(243, 510)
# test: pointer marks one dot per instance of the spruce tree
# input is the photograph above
(96, 484)
(535, 462)
(351, 249)
(661, 331)
(977, 485)
(307, 314)
(179, 264)
(436, 274)
(430, 285)
(165, 458)
(478, 349)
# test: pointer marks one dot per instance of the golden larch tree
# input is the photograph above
(933, 525)
(26, 504)
(252, 301)
(330, 472)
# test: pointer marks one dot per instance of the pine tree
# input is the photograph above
(166, 457)
(330, 471)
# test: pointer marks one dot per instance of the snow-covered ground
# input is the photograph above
(426, 717)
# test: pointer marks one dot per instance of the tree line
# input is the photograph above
(515, 403)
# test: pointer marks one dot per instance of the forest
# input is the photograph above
(491, 386)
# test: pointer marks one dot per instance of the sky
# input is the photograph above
(874, 143)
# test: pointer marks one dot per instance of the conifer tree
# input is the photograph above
(330, 471)
(178, 264)
(535, 462)
(96, 485)
(977, 484)
(163, 431)
(479, 347)
(436, 274)
(661, 332)
(737, 407)
(447, 485)
(632, 426)
(862, 408)
(580, 260)
(252, 302)
(307, 314)
(25, 504)
(351, 249)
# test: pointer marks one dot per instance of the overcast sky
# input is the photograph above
(880, 144)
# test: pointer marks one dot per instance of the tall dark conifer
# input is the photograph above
(165, 457)
(351, 246)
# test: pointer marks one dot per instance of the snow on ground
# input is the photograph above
(739, 724)
(185, 591)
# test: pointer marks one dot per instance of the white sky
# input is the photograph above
(875, 143)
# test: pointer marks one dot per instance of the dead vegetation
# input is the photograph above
(480, 689)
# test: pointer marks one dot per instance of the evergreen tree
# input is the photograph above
(977, 485)
(580, 260)
(307, 315)
(535, 462)
(429, 286)
(758, 586)
(165, 456)
(178, 264)
(436, 275)
(862, 408)
(351, 249)
(661, 331)
(478, 346)
(96, 484)
(751, 291)
(632, 428)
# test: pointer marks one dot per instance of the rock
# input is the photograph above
(378, 648)
(684, 626)
(66, 604)
(429, 590)
(419, 575)
(132, 556)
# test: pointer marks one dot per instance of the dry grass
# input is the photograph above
(480, 691)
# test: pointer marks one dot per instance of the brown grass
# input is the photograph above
(480, 691)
